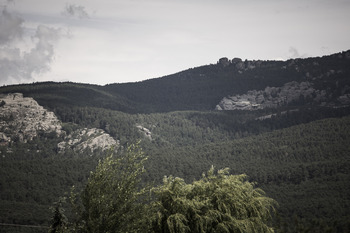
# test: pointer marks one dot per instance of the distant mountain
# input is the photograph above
(320, 80)
(203, 88)
(283, 123)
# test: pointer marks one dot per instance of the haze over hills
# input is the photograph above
(283, 123)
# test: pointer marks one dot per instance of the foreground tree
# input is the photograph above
(59, 220)
(110, 202)
(113, 201)
(216, 203)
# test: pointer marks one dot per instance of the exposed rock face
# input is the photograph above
(224, 61)
(91, 139)
(21, 118)
(240, 65)
(272, 97)
(146, 132)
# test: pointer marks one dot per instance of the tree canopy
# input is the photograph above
(219, 202)
(114, 200)
(110, 201)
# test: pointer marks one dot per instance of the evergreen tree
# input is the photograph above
(59, 221)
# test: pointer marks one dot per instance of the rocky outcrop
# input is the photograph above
(146, 132)
(239, 64)
(91, 139)
(22, 118)
(224, 61)
(272, 97)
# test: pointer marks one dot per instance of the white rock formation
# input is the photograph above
(85, 138)
(146, 132)
(22, 118)
(271, 97)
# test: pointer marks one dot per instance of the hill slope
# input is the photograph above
(305, 168)
(202, 88)
(288, 130)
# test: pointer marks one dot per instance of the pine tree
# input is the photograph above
(59, 221)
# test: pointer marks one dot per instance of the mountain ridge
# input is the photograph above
(200, 88)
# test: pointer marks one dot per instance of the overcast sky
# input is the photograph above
(115, 41)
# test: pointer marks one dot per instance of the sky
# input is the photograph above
(117, 41)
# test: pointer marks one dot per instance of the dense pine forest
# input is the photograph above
(297, 153)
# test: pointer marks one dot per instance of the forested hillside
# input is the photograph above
(297, 152)
(305, 168)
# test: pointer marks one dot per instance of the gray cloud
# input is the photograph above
(73, 10)
(39, 58)
(7, 2)
(10, 27)
(17, 64)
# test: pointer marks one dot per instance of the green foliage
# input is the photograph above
(216, 203)
(110, 201)
(59, 221)
(33, 177)
(114, 201)
(305, 167)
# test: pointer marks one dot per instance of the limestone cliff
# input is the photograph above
(91, 139)
(274, 97)
(22, 119)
